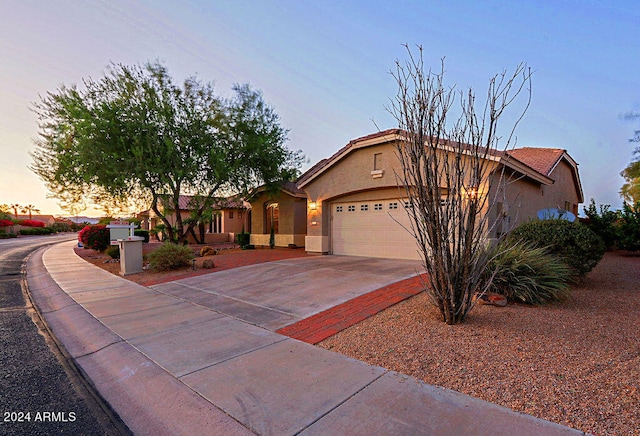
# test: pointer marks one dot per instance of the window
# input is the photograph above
(377, 161)
(393, 205)
(364, 207)
(377, 206)
(239, 214)
(338, 208)
(230, 214)
(351, 208)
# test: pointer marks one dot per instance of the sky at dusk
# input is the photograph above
(324, 66)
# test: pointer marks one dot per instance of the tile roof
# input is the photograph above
(36, 217)
(543, 160)
(540, 160)
(185, 203)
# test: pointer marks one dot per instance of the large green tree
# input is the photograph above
(630, 191)
(135, 134)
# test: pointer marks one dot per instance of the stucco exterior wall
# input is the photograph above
(525, 197)
(352, 176)
(292, 220)
(234, 220)
(562, 191)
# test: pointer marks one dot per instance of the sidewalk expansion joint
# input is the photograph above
(284, 338)
(237, 299)
(386, 371)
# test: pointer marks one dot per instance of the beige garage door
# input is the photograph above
(368, 228)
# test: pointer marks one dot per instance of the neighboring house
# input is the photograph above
(355, 207)
(48, 220)
(230, 216)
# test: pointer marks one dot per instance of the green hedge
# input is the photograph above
(143, 233)
(575, 243)
(30, 231)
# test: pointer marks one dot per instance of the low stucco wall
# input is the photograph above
(280, 240)
(215, 238)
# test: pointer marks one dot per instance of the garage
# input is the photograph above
(372, 228)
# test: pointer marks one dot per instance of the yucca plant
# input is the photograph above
(529, 274)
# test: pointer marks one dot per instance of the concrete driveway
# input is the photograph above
(275, 294)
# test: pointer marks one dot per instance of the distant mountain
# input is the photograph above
(83, 219)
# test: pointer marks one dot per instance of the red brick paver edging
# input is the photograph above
(322, 325)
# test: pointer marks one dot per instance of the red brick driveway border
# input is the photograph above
(319, 327)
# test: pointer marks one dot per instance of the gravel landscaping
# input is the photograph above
(576, 363)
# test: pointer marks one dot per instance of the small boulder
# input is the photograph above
(207, 251)
(207, 264)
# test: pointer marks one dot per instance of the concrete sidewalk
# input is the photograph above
(169, 365)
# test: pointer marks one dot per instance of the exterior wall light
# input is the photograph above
(313, 205)
(472, 193)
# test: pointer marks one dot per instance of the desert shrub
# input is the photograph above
(243, 239)
(5, 235)
(629, 227)
(602, 222)
(113, 251)
(578, 246)
(61, 227)
(272, 238)
(76, 227)
(529, 274)
(143, 233)
(170, 256)
(32, 223)
(207, 251)
(95, 237)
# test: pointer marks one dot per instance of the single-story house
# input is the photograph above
(230, 216)
(353, 205)
(48, 220)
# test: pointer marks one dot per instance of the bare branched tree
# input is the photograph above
(451, 175)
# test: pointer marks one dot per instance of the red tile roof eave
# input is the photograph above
(507, 158)
(498, 155)
(517, 165)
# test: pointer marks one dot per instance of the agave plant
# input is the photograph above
(529, 274)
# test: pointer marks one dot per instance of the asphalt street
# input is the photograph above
(40, 392)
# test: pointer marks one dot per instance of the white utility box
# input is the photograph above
(130, 255)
